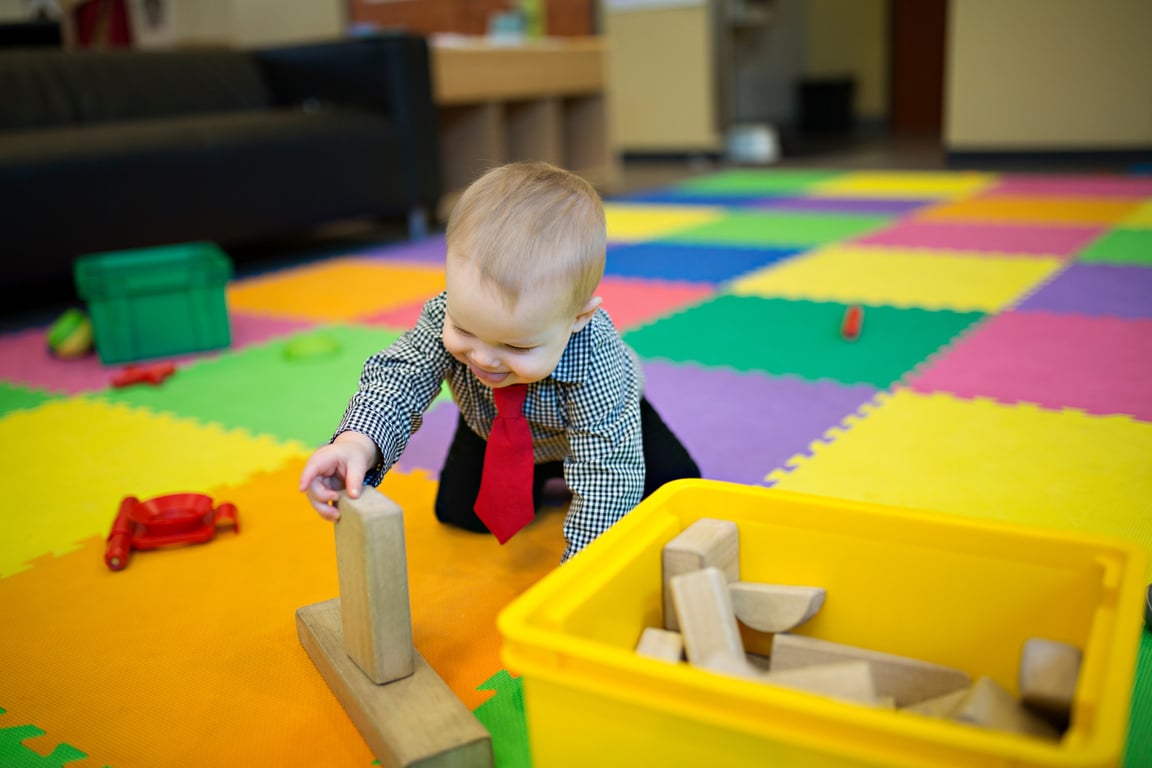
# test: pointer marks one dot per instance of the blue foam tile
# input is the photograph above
(690, 262)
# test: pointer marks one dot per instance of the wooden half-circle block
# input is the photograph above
(774, 607)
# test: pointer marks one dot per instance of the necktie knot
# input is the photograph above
(510, 399)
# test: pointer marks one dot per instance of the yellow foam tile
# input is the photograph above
(908, 278)
(628, 223)
(978, 458)
(1069, 211)
(905, 184)
(364, 287)
(62, 456)
(1141, 218)
(199, 663)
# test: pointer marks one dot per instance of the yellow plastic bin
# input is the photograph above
(156, 302)
(947, 589)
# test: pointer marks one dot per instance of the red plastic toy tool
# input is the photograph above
(181, 518)
(853, 323)
(153, 374)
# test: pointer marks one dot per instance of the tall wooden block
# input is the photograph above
(706, 543)
(373, 573)
(707, 623)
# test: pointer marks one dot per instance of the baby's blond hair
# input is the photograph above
(525, 226)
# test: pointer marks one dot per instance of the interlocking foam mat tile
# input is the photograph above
(690, 263)
(800, 338)
(1121, 246)
(1099, 364)
(1001, 372)
(999, 239)
(899, 278)
(1096, 289)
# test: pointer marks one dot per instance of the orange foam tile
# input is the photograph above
(1047, 210)
(364, 288)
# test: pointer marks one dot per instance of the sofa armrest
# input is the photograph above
(388, 73)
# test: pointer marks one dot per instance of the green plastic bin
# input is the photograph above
(156, 302)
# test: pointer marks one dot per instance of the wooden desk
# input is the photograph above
(538, 100)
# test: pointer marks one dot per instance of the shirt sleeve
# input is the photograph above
(396, 386)
(605, 464)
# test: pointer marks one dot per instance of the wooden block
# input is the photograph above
(705, 543)
(850, 681)
(662, 644)
(373, 573)
(707, 623)
(1049, 671)
(990, 705)
(939, 706)
(774, 607)
(906, 680)
(416, 720)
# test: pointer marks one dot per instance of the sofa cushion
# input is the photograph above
(43, 89)
(220, 177)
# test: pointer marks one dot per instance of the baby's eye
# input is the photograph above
(460, 330)
(514, 348)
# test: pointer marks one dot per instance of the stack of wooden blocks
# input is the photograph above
(705, 604)
(362, 644)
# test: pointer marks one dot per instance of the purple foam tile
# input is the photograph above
(1066, 185)
(1097, 289)
(1001, 239)
(25, 360)
(870, 206)
(741, 426)
(429, 250)
(428, 447)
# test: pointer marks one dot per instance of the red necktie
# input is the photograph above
(505, 499)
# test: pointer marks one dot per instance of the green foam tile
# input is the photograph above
(1120, 246)
(745, 181)
(1139, 754)
(17, 398)
(774, 228)
(801, 338)
(265, 390)
(503, 716)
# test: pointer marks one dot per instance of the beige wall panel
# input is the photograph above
(850, 37)
(1049, 74)
(662, 78)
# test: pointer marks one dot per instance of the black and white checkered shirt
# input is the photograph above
(586, 413)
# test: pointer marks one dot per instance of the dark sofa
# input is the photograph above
(117, 150)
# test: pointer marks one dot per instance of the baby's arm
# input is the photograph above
(340, 465)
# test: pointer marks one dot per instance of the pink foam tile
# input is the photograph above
(25, 360)
(1070, 185)
(401, 317)
(1101, 365)
(632, 302)
(1001, 239)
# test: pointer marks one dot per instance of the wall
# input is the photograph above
(1049, 75)
(850, 37)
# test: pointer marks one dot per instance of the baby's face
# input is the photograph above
(505, 346)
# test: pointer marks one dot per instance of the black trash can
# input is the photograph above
(827, 105)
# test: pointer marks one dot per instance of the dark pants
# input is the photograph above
(665, 459)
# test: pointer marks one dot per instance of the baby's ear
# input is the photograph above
(586, 313)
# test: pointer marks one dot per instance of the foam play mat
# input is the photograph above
(1002, 370)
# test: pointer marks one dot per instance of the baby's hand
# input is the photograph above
(338, 466)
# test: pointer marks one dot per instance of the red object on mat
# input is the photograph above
(143, 374)
(853, 323)
(504, 503)
(180, 518)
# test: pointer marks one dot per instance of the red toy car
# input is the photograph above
(181, 518)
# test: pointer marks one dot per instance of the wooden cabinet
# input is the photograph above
(536, 100)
